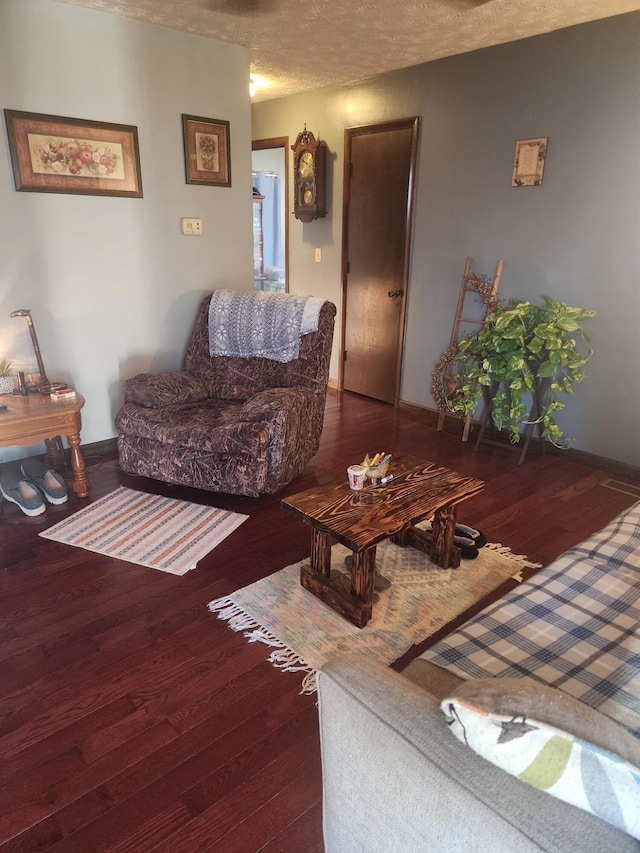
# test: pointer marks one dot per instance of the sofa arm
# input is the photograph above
(395, 778)
(151, 390)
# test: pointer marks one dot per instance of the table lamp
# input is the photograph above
(45, 386)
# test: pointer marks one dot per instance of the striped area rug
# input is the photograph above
(149, 530)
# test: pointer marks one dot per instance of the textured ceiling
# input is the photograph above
(296, 46)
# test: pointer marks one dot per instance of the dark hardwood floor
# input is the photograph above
(132, 719)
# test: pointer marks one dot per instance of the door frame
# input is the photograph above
(412, 123)
(280, 142)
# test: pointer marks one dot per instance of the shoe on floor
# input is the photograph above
(479, 539)
(23, 492)
(50, 483)
(468, 548)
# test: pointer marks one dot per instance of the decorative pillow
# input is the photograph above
(552, 741)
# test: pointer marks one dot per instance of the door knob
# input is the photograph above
(394, 293)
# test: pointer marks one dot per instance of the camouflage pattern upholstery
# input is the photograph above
(243, 426)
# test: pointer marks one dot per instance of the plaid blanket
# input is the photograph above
(575, 625)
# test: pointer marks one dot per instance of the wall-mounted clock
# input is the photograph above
(309, 162)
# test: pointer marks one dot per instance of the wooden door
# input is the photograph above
(377, 217)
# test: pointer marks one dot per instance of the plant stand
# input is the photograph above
(541, 389)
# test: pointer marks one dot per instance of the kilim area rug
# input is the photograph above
(150, 530)
(305, 633)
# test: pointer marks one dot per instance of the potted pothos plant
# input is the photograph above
(521, 351)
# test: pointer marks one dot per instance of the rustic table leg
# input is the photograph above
(321, 552)
(54, 457)
(443, 550)
(362, 578)
(315, 576)
(80, 483)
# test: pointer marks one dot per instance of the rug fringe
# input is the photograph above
(281, 657)
(228, 611)
(309, 685)
(520, 559)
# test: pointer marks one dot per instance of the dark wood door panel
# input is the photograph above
(377, 223)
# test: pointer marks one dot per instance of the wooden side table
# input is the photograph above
(39, 418)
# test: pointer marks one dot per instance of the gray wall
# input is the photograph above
(575, 238)
(112, 283)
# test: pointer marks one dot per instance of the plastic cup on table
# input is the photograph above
(356, 477)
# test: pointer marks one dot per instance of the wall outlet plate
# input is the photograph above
(191, 227)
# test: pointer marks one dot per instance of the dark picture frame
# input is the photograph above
(207, 151)
(55, 154)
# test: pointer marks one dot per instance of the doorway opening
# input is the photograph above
(269, 172)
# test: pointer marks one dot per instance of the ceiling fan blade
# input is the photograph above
(462, 5)
(244, 8)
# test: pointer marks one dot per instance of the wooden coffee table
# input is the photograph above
(359, 520)
(37, 417)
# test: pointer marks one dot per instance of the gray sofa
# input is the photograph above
(396, 779)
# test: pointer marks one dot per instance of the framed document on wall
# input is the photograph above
(528, 165)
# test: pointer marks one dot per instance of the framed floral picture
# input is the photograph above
(207, 151)
(53, 154)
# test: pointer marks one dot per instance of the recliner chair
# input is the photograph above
(243, 426)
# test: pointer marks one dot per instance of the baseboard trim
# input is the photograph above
(100, 448)
(454, 426)
(107, 447)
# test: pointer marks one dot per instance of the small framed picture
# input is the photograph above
(528, 166)
(207, 151)
(52, 154)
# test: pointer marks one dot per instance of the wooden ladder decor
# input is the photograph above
(444, 383)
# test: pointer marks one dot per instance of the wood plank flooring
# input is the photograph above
(131, 719)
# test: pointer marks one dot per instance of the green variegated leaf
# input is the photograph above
(546, 369)
(568, 324)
